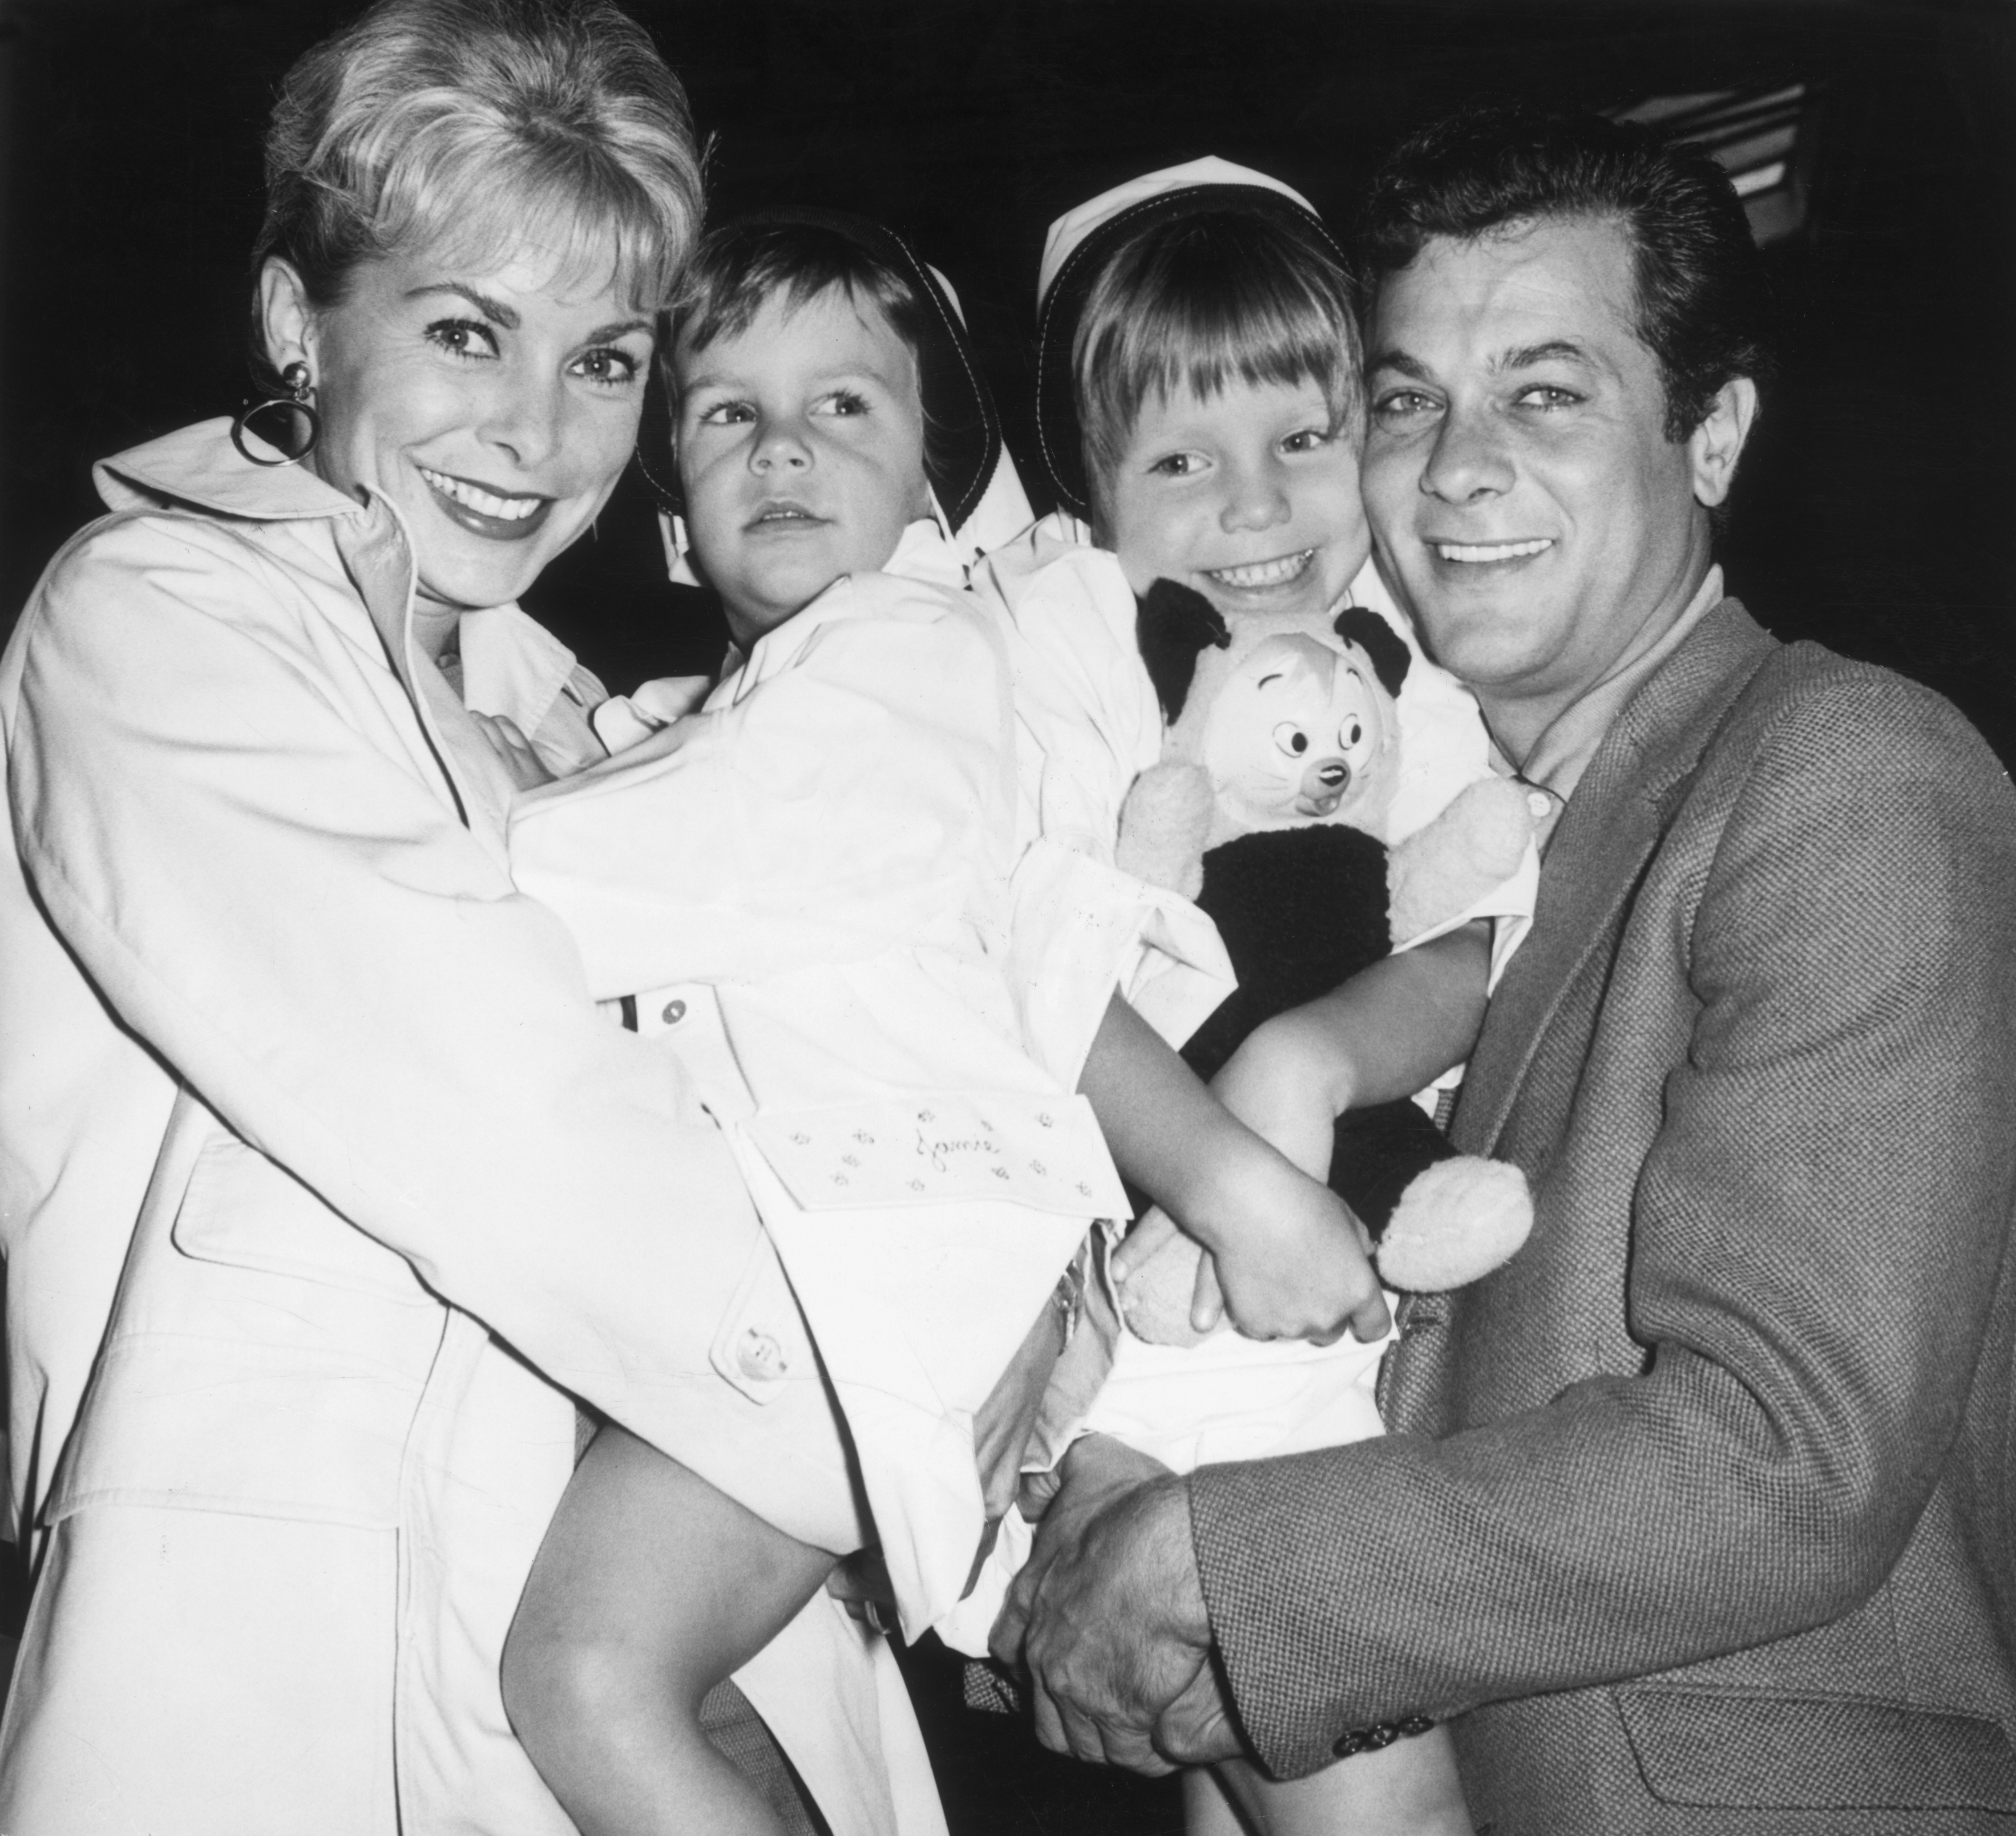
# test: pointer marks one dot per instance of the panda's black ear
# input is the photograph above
(1172, 624)
(1379, 641)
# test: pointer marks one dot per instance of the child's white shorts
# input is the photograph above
(1230, 1397)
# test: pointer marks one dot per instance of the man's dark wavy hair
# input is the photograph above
(1703, 304)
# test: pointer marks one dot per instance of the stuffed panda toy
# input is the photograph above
(1280, 757)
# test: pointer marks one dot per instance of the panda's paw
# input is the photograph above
(1458, 1220)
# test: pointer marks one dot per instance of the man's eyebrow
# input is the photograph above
(1399, 360)
(505, 315)
(1551, 350)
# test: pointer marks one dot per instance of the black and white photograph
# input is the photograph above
(1008, 917)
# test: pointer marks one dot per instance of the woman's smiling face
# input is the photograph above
(495, 406)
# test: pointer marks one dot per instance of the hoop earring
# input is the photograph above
(296, 409)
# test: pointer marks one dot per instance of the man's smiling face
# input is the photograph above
(1523, 493)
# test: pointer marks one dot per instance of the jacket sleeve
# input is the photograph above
(839, 807)
(1815, 1235)
(1088, 724)
(267, 890)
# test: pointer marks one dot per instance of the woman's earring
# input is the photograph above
(286, 426)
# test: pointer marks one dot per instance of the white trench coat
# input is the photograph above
(867, 896)
(312, 1147)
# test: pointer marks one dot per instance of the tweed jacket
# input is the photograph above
(1693, 1515)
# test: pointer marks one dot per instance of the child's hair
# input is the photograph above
(1198, 300)
(742, 264)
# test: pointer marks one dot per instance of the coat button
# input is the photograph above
(1383, 1734)
(759, 1356)
(674, 1012)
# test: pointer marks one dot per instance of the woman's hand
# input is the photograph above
(514, 751)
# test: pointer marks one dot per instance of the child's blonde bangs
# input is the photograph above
(1200, 304)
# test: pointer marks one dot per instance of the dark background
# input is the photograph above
(1876, 509)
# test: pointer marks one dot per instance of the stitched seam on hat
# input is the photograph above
(986, 417)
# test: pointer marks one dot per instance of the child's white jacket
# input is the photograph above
(865, 897)
(300, 1101)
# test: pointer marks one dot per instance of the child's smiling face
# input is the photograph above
(1249, 495)
(801, 447)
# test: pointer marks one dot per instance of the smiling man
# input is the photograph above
(1693, 1516)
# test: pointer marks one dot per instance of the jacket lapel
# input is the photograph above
(200, 466)
(379, 557)
(1609, 831)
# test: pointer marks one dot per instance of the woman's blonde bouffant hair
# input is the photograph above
(477, 128)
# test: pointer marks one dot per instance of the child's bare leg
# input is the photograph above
(1208, 1808)
(1408, 1789)
(650, 1588)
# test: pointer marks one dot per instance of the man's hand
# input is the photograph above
(1108, 1620)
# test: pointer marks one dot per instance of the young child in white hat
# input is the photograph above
(1199, 412)
(864, 892)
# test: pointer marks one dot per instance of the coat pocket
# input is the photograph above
(259, 1430)
(1753, 1751)
(247, 1212)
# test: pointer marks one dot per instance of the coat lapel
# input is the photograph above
(1613, 824)
(379, 556)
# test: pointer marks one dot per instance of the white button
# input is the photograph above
(676, 1011)
(759, 1355)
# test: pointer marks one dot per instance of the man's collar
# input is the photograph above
(1562, 752)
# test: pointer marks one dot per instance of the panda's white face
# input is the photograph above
(1291, 735)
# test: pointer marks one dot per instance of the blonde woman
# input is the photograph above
(321, 1181)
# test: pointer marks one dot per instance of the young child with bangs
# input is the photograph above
(863, 887)
(1201, 407)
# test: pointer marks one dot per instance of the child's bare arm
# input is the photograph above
(1388, 1031)
(1290, 1257)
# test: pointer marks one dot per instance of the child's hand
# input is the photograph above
(514, 751)
(1291, 1256)
(1290, 1263)
(1293, 1263)
(1269, 1084)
